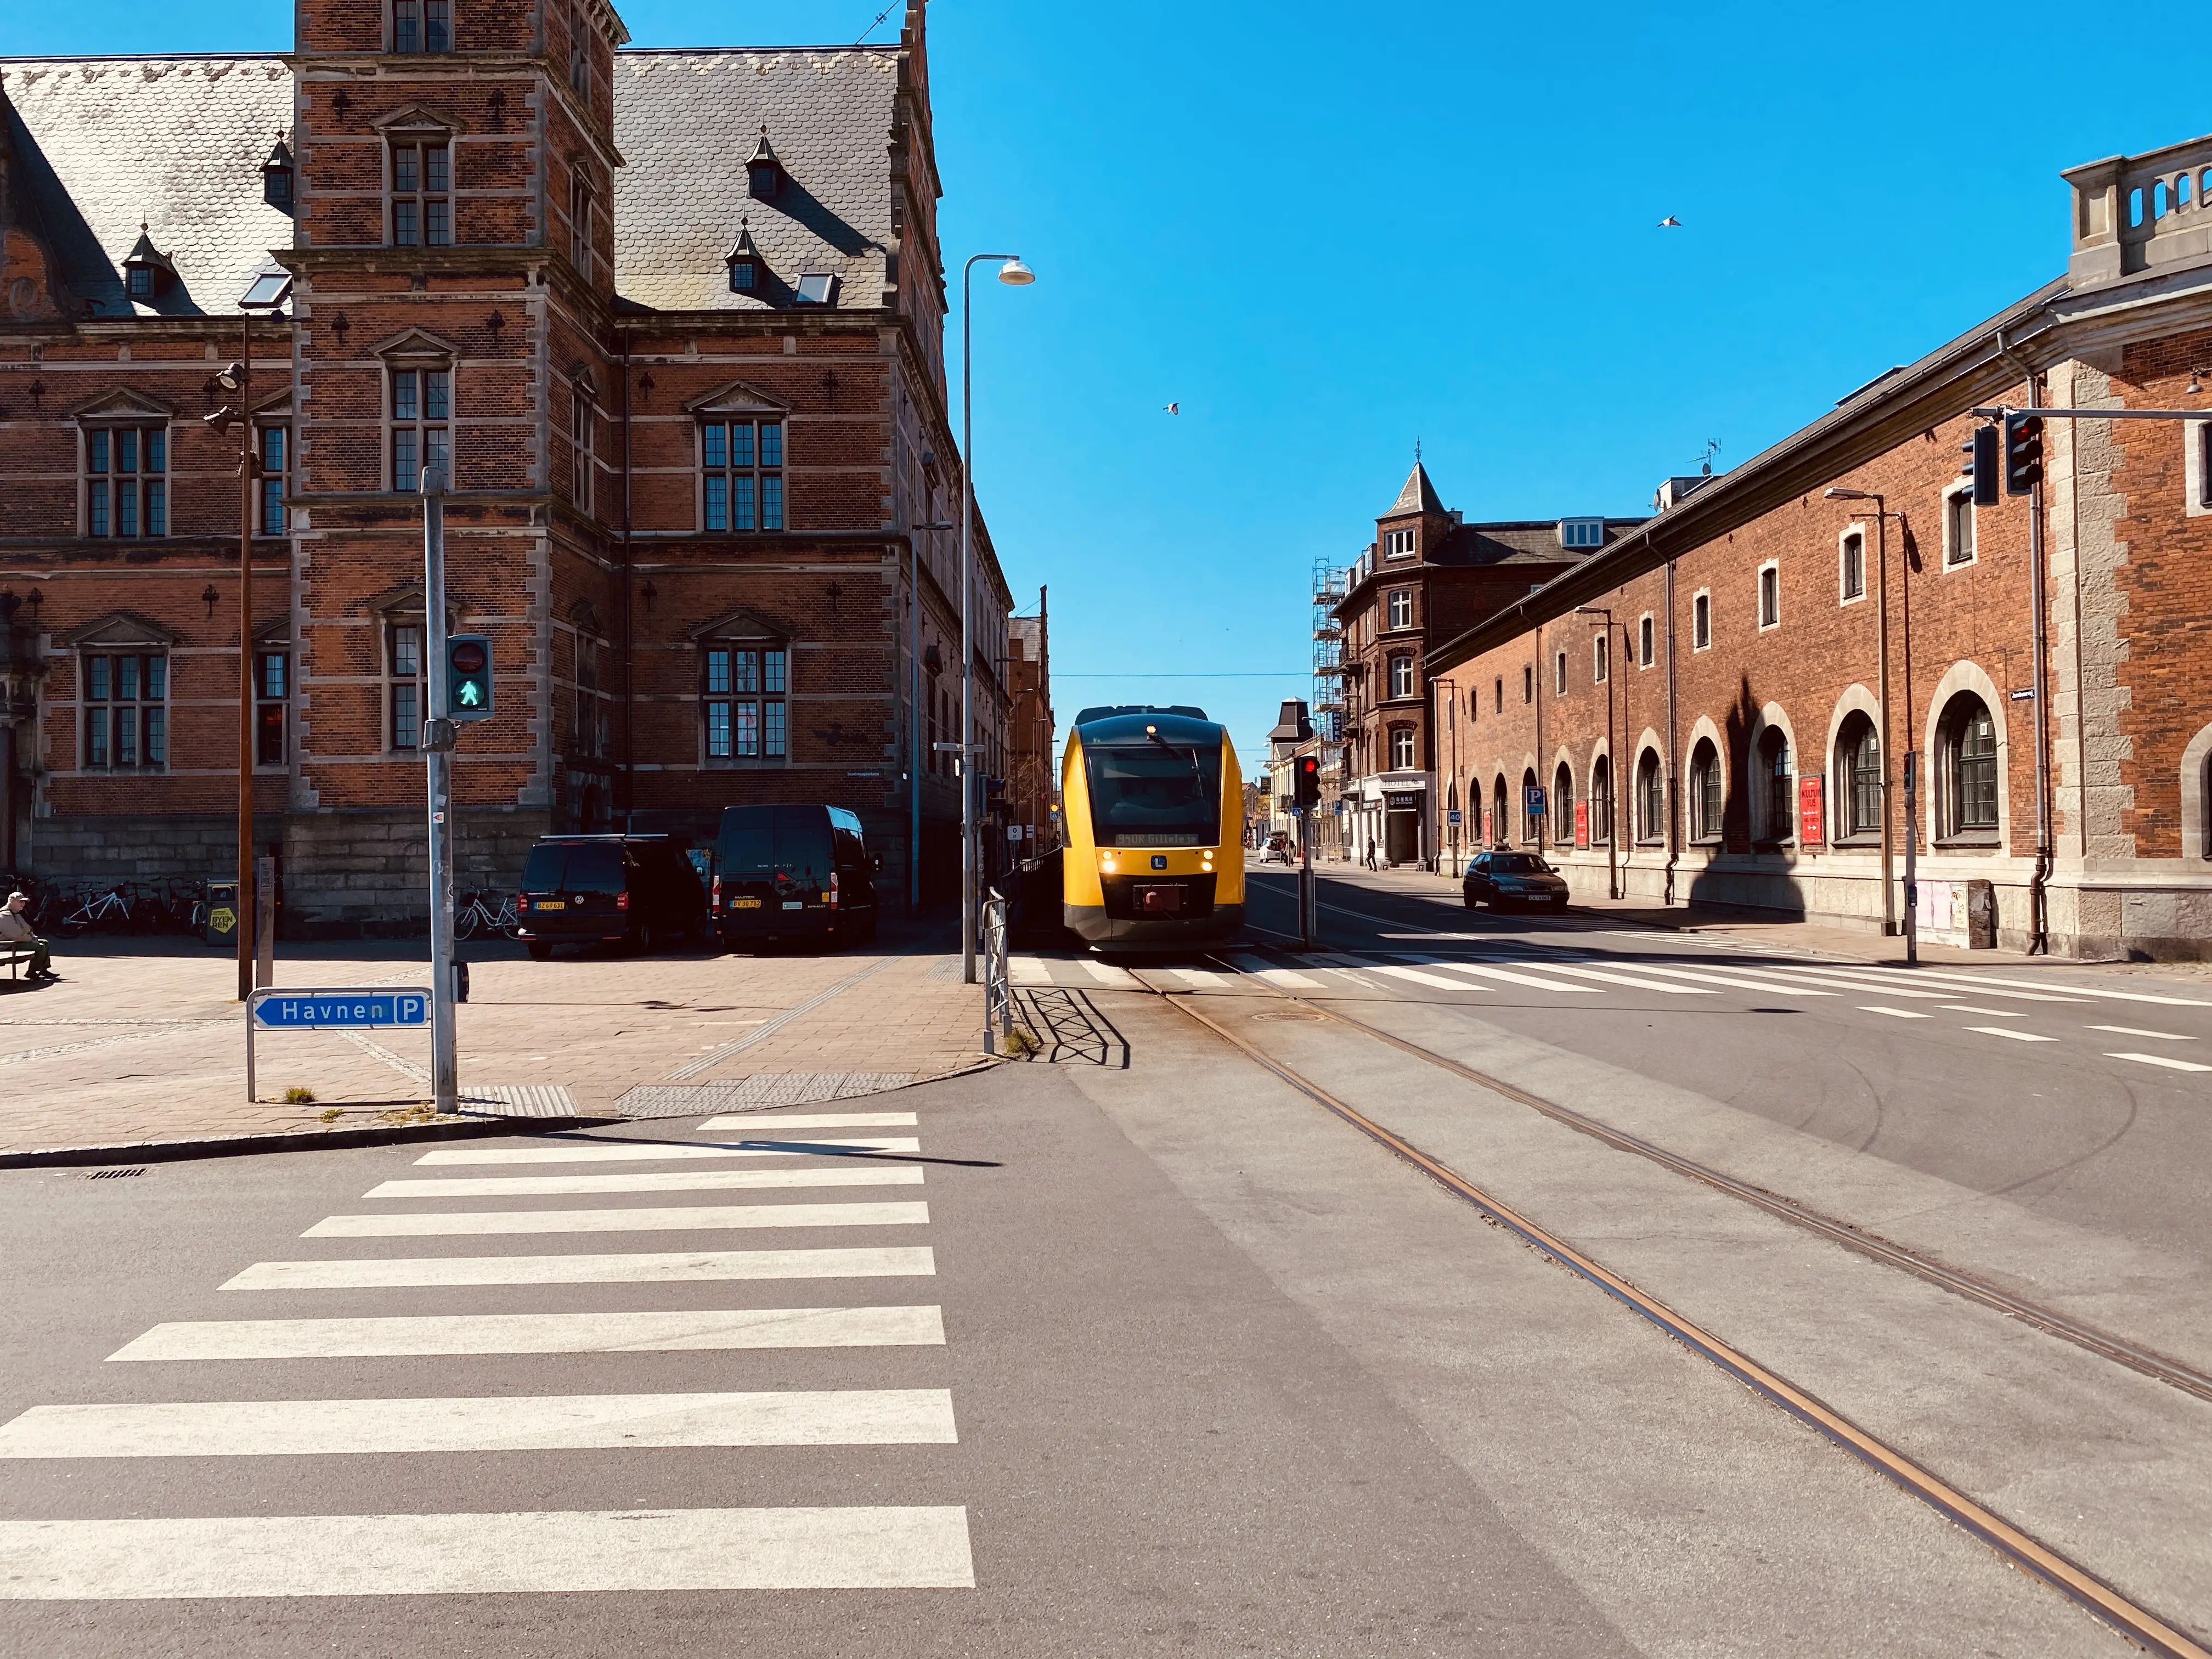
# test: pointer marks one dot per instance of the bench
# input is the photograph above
(15, 958)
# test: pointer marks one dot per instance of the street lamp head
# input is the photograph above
(1592, 611)
(1015, 274)
(1837, 493)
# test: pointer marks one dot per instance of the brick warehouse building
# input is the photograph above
(675, 318)
(1427, 577)
(1757, 764)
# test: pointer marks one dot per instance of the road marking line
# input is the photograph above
(419, 1334)
(811, 1121)
(2044, 992)
(2167, 1061)
(1420, 978)
(2136, 1031)
(2017, 1037)
(657, 1267)
(1108, 973)
(1486, 971)
(1994, 1013)
(1028, 971)
(1285, 978)
(1579, 972)
(665, 1181)
(1861, 984)
(313, 1428)
(1722, 976)
(322, 1555)
(652, 1152)
(1945, 986)
(693, 1218)
(1204, 978)
(1894, 1013)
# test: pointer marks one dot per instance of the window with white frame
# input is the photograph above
(1600, 658)
(422, 424)
(1651, 798)
(1559, 675)
(1402, 757)
(272, 703)
(743, 702)
(1701, 622)
(741, 463)
(1968, 740)
(1645, 635)
(1527, 683)
(421, 25)
(1959, 528)
(1858, 777)
(1397, 544)
(421, 191)
(583, 423)
(1851, 566)
(1705, 792)
(1402, 607)
(403, 677)
(125, 708)
(1401, 676)
(126, 480)
(1770, 597)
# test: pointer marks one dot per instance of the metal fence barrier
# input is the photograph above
(998, 994)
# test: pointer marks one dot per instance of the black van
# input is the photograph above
(793, 873)
(609, 889)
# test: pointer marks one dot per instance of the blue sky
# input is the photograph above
(1327, 231)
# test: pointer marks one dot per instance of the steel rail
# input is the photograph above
(2037, 1559)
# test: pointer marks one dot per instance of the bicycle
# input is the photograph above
(474, 913)
(106, 911)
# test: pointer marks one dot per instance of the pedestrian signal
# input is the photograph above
(468, 677)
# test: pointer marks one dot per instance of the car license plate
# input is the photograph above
(744, 904)
(552, 904)
(794, 904)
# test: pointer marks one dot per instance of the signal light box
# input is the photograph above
(468, 677)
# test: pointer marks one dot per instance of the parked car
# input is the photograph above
(792, 871)
(1502, 880)
(632, 891)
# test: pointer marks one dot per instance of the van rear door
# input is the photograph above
(596, 884)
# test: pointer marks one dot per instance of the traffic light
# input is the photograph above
(1987, 482)
(2023, 453)
(994, 795)
(1306, 780)
(468, 677)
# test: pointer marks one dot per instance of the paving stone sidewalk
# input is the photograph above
(143, 1040)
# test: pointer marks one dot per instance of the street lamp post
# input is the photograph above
(1840, 493)
(1612, 756)
(1014, 274)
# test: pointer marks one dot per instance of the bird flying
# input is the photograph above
(1670, 222)
(1175, 408)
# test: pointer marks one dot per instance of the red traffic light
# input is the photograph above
(469, 657)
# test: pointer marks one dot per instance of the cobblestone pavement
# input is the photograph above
(143, 1040)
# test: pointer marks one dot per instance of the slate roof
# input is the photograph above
(686, 120)
(1418, 495)
(1531, 542)
(177, 142)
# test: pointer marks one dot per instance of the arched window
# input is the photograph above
(1532, 824)
(1563, 806)
(1858, 777)
(1774, 793)
(1969, 747)
(1651, 798)
(1600, 801)
(1499, 820)
(1705, 794)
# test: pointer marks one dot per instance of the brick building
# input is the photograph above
(1032, 764)
(671, 320)
(1759, 759)
(1427, 577)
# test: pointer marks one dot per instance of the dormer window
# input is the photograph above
(1581, 532)
(763, 171)
(744, 262)
(146, 270)
(816, 288)
(277, 177)
(1397, 544)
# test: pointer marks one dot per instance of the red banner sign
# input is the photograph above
(1581, 823)
(1811, 825)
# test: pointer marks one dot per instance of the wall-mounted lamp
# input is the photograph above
(496, 322)
(338, 327)
(648, 592)
(38, 390)
(2192, 388)
(835, 591)
(645, 387)
(208, 597)
(36, 600)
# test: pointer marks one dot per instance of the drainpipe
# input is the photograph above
(2038, 903)
(1673, 815)
(629, 638)
(1536, 697)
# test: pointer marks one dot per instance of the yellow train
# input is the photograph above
(1153, 805)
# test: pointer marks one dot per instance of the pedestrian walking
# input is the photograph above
(15, 929)
(1370, 851)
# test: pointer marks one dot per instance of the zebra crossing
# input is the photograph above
(445, 1547)
(1484, 968)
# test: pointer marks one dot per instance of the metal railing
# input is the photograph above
(998, 993)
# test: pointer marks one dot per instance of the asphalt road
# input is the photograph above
(1171, 1365)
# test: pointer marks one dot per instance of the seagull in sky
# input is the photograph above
(1670, 222)
(1175, 408)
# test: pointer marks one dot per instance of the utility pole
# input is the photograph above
(1911, 848)
(438, 738)
(246, 930)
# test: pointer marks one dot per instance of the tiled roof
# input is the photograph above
(177, 142)
(1418, 495)
(685, 122)
(1519, 543)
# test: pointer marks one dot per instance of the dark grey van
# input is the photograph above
(609, 889)
(790, 871)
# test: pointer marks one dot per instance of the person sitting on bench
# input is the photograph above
(16, 933)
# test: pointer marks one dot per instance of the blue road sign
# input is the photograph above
(356, 1010)
(1452, 816)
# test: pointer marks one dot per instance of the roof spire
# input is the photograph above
(1419, 495)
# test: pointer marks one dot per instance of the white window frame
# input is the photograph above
(1769, 586)
(1559, 675)
(1400, 659)
(1400, 544)
(1400, 599)
(1403, 738)
(1701, 620)
(1844, 538)
(1958, 502)
(1601, 656)
(2197, 467)
(1647, 640)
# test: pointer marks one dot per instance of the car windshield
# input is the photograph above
(1518, 864)
(1158, 795)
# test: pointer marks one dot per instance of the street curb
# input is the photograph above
(302, 1140)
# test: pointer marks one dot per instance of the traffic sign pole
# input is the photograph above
(445, 1085)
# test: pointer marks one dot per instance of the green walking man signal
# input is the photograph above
(468, 677)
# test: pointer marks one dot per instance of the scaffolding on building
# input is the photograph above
(1326, 706)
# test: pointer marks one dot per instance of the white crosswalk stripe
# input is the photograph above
(1398, 971)
(1108, 973)
(2006, 1031)
(2166, 1061)
(1508, 976)
(1283, 979)
(450, 1549)
(1609, 976)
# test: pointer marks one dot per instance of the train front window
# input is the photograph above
(1155, 796)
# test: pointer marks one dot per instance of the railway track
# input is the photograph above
(2139, 1624)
